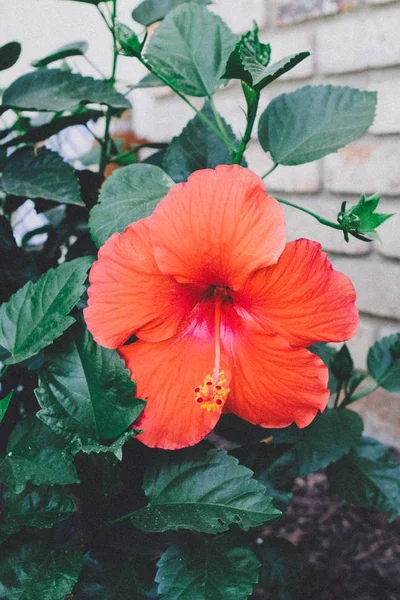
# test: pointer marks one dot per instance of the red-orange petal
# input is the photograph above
(273, 384)
(129, 295)
(217, 228)
(167, 374)
(302, 297)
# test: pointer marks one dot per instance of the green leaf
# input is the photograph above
(361, 220)
(9, 54)
(96, 448)
(41, 174)
(191, 48)
(312, 122)
(368, 477)
(128, 40)
(41, 507)
(37, 314)
(57, 90)
(128, 195)
(250, 49)
(151, 11)
(327, 355)
(280, 568)
(149, 81)
(36, 572)
(197, 147)
(262, 76)
(383, 362)
(36, 454)
(202, 491)
(71, 49)
(4, 404)
(85, 392)
(213, 569)
(342, 365)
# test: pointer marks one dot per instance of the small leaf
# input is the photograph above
(327, 355)
(71, 49)
(368, 477)
(36, 454)
(190, 48)
(96, 448)
(383, 362)
(263, 76)
(202, 491)
(197, 147)
(361, 220)
(56, 90)
(342, 365)
(4, 404)
(35, 572)
(41, 174)
(248, 48)
(280, 568)
(128, 40)
(129, 194)
(9, 54)
(213, 569)
(37, 314)
(151, 11)
(312, 122)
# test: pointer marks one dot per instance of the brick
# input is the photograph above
(387, 330)
(380, 1)
(284, 43)
(361, 342)
(380, 412)
(362, 41)
(376, 283)
(292, 11)
(366, 166)
(387, 118)
(300, 179)
(240, 17)
(390, 230)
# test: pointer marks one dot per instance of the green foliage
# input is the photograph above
(131, 193)
(202, 491)
(176, 49)
(342, 364)
(383, 362)
(38, 313)
(4, 404)
(327, 355)
(33, 571)
(41, 174)
(57, 90)
(361, 220)
(217, 568)
(280, 568)
(128, 40)
(9, 54)
(368, 477)
(248, 51)
(36, 454)
(85, 392)
(151, 11)
(312, 122)
(72, 49)
(149, 81)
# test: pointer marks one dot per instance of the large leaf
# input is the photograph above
(41, 174)
(57, 90)
(383, 362)
(41, 507)
(36, 572)
(312, 122)
(71, 49)
(280, 568)
(151, 11)
(36, 454)
(9, 54)
(38, 313)
(85, 391)
(130, 194)
(203, 491)
(197, 147)
(4, 404)
(369, 477)
(191, 48)
(214, 569)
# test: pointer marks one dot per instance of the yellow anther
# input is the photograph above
(212, 393)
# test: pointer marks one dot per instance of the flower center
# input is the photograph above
(212, 393)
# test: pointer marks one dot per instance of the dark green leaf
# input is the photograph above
(312, 122)
(215, 569)
(248, 47)
(36, 572)
(342, 365)
(38, 313)
(128, 40)
(72, 49)
(368, 477)
(280, 568)
(9, 54)
(263, 76)
(191, 48)
(327, 355)
(151, 11)
(57, 90)
(383, 362)
(36, 454)
(131, 193)
(197, 147)
(203, 491)
(41, 174)
(41, 507)
(4, 404)
(85, 392)
(96, 448)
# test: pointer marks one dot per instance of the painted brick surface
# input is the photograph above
(291, 11)
(381, 414)
(387, 118)
(240, 14)
(390, 230)
(284, 43)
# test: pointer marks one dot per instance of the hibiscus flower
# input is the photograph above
(222, 308)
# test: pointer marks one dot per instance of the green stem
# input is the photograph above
(4, 371)
(270, 170)
(312, 214)
(251, 116)
(103, 17)
(106, 140)
(217, 117)
(120, 519)
(364, 392)
(125, 153)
